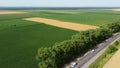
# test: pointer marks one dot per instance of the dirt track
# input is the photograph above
(9, 12)
(62, 24)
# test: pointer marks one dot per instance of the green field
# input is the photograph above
(19, 45)
(20, 40)
(91, 17)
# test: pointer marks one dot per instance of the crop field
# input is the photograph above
(90, 17)
(62, 24)
(20, 39)
(19, 44)
(9, 12)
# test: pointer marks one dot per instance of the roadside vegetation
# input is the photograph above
(104, 58)
(63, 52)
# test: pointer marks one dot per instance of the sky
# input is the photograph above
(59, 3)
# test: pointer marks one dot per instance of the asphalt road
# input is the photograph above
(91, 56)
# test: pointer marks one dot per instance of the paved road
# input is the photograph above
(90, 57)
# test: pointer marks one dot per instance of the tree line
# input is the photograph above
(63, 52)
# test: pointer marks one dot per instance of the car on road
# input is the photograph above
(73, 64)
(93, 50)
(106, 40)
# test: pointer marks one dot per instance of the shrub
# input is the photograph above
(112, 49)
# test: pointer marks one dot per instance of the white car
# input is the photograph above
(73, 64)
(92, 50)
(106, 40)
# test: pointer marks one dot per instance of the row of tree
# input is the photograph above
(63, 52)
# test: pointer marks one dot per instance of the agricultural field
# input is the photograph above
(20, 39)
(62, 24)
(9, 12)
(90, 17)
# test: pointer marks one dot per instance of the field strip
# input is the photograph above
(9, 12)
(62, 24)
(66, 12)
(116, 10)
(114, 62)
